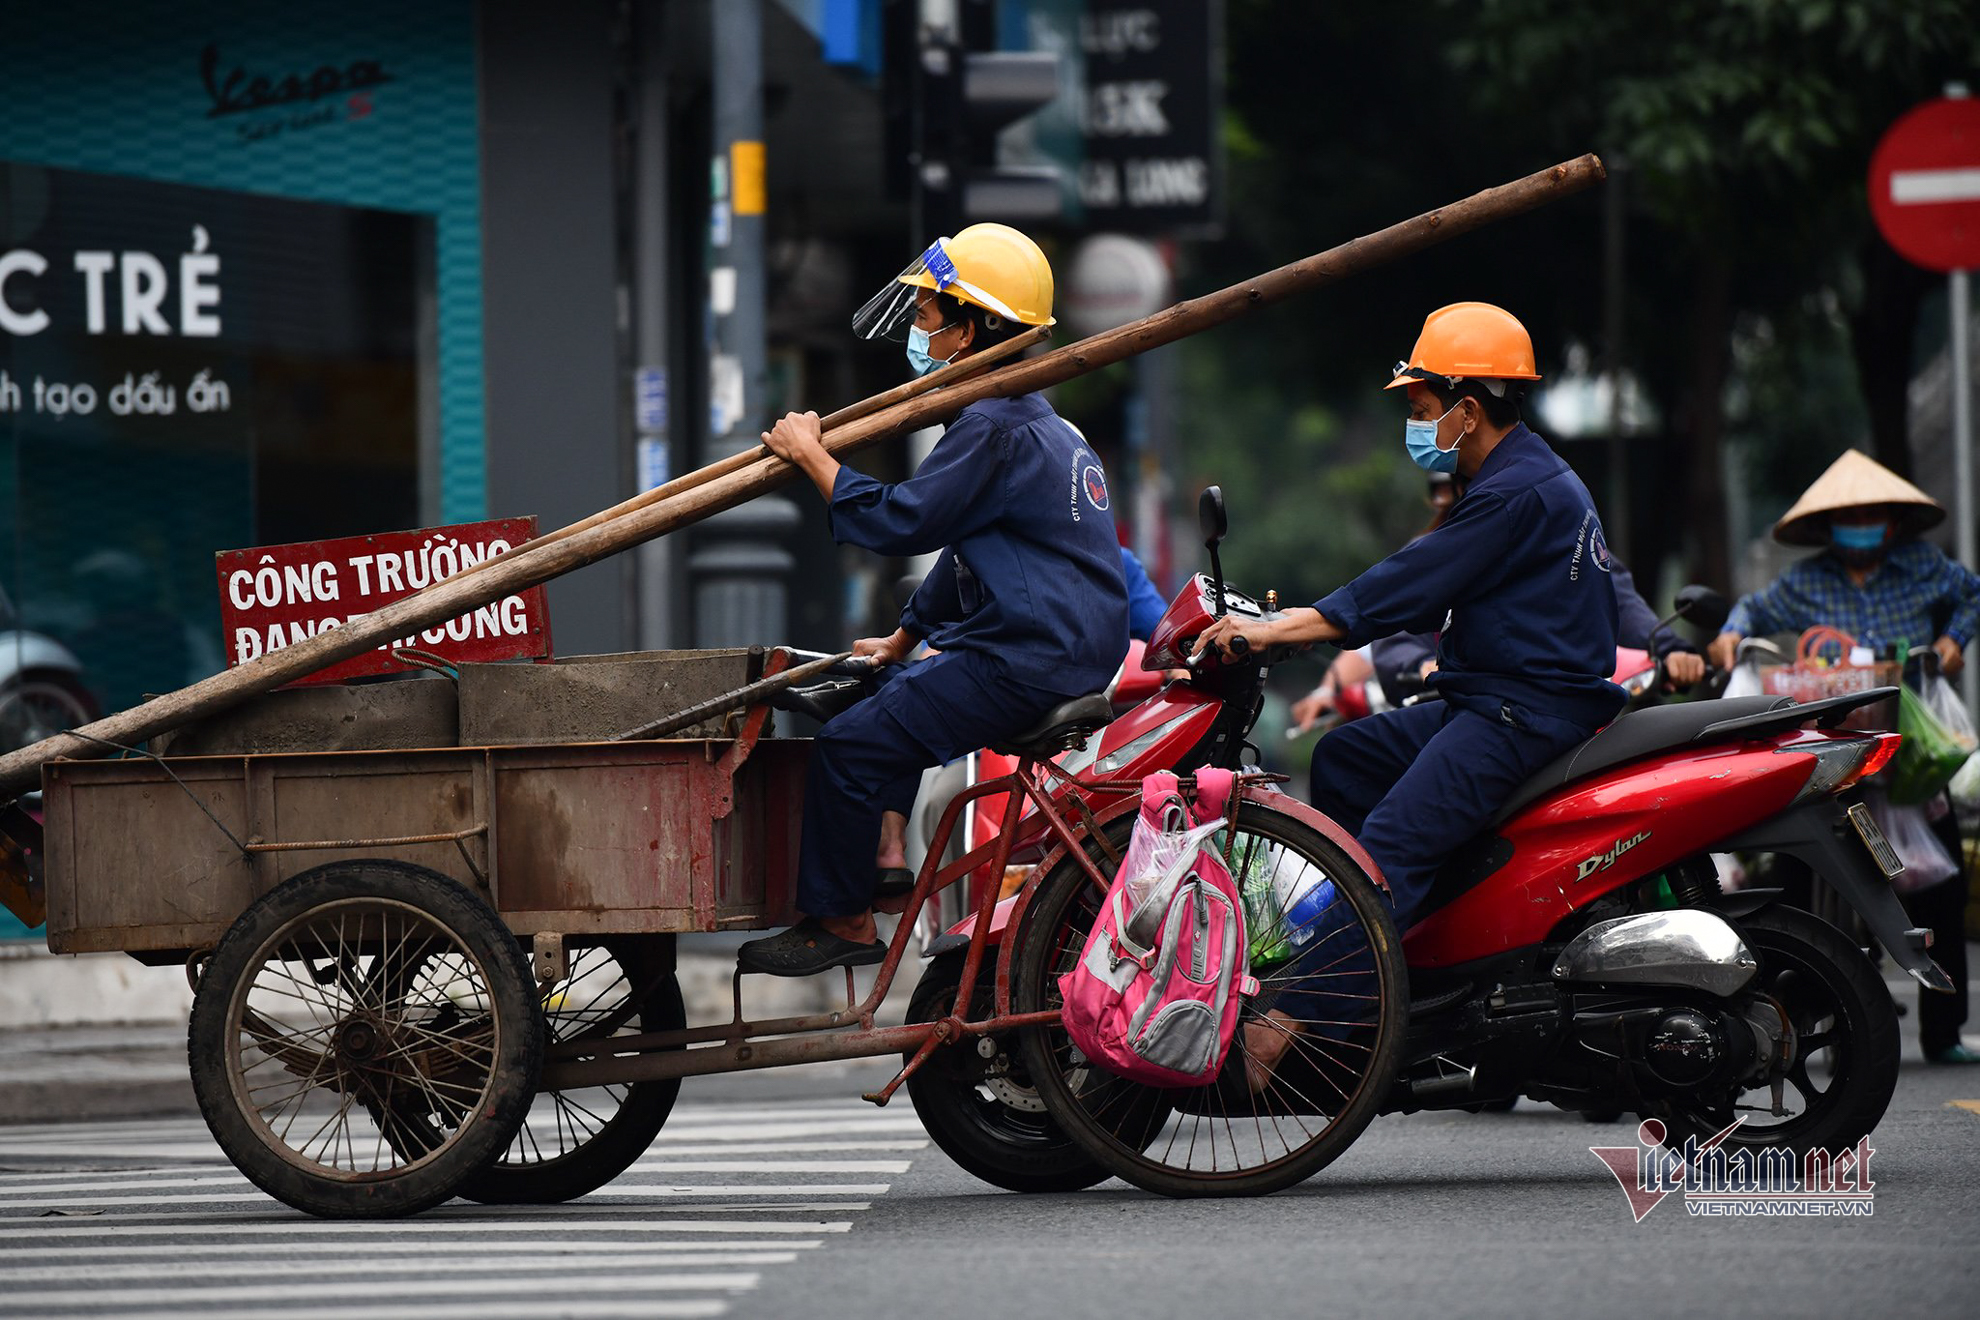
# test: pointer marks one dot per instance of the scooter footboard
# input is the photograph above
(1820, 834)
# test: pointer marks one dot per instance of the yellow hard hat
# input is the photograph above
(991, 266)
(1469, 341)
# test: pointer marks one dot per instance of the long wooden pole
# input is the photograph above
(974, 365)
(20, 770)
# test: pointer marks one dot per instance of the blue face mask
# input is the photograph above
(1858, 536)
(1421, 440)
(917, 350)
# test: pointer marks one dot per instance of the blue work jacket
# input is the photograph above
(1030, 569)
(1517, 579)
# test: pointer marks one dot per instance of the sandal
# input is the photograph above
(805, 949)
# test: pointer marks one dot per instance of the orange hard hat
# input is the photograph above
(1469, 340)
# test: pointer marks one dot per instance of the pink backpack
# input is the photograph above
(1154, 997)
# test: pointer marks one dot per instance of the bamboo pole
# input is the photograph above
(974, 365)
(20, 770)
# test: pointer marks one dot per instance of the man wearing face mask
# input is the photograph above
(1878, 582)
(1025, 605)
(1516, 582)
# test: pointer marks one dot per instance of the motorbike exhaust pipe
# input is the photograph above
(1444, 1086)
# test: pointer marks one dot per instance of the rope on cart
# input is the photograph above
(218, 824)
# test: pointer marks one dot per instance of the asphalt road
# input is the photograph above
(783, 1195)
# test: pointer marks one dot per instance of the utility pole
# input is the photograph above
(1615, 281)
(740, 567)
(652, 379)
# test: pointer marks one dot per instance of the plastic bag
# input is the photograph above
(1159, 851)
(1938, 739)
(1284, 905)
(1926, 861)
(1965, 786)
(1744, 681)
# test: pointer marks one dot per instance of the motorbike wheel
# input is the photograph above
(576, 1142)
(1225, 1138)
(1845, 1063)
(991, 1123)
(40, 704)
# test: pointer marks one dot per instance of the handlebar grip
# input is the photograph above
(1240, 646)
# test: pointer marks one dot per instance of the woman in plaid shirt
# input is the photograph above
(1880, 584)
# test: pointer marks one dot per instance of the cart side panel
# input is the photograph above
(605, 830)
(133, 863)
(346, 798)
(756, 878)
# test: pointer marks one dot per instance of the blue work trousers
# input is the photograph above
(1414, 784)
(869, 760)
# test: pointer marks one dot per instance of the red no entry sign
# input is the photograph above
(1925, 184)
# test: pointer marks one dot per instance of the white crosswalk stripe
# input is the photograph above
(148, 1218)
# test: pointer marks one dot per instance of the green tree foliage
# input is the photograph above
(1746, 128)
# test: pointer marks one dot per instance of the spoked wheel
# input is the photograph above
(364, 1038)
(575, 1142)
(1316, 1048)
(982, 1111)
(1840, 1064)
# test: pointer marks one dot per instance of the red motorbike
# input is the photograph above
(1578, 950)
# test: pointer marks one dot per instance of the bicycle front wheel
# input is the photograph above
(1315, 1049)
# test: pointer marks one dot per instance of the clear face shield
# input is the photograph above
(889, 313)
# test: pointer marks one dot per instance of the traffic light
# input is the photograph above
(948, 97)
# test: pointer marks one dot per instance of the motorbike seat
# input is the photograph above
(1059, 729)
(1635, 735)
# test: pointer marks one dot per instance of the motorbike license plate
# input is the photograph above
(1873, 839)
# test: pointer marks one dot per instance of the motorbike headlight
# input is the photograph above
(1127, 752)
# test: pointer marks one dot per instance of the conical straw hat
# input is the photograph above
(1854, 480)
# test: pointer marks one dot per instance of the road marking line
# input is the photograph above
(780, 1131)
(621, 1189)
(658, 1308)
(849, 1112)
(169, 1175)
(421, 1227)
(599, 1209)
(448, 1265)
(1970, 1106)
(233, 1180)
(204, 1154)
(557, 1283)
(769, 1166)
(141, 1125)
(630, 1177)
(547, 1249)
(1910, 187)
(785, 1148)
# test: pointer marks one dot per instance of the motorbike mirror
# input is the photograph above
(1210, 518)
(1704, 607)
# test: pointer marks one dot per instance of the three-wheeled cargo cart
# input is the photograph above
(431, 926)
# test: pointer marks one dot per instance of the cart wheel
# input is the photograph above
(1332, 1000)
(364, 1038)
(984, 1113)
(575, 1142)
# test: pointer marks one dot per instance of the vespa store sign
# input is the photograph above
(275, 596)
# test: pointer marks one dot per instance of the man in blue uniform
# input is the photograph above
(1517, 580)
(1025, 605)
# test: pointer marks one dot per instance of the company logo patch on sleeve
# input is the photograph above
(1095, 482)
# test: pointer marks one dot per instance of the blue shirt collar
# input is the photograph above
(1504, 452)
